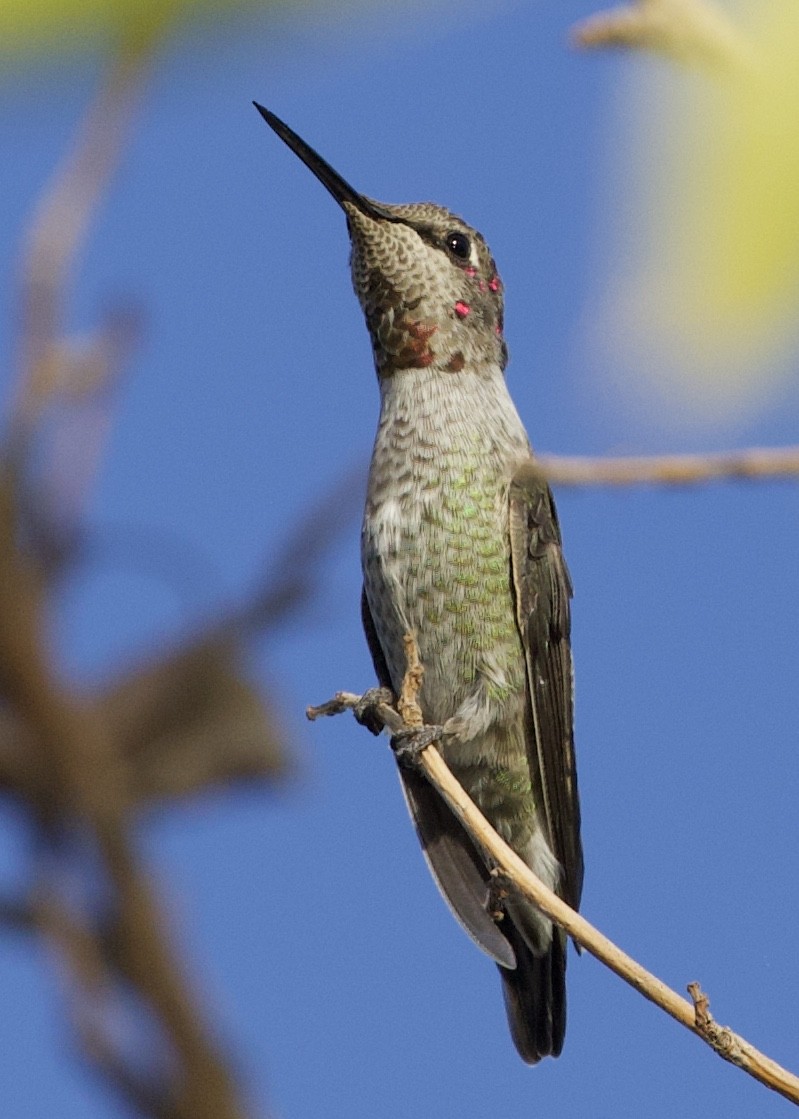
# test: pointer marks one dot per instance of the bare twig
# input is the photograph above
(752, 464)
(689, 30)
(695, 1016)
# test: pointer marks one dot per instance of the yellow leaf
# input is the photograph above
(701, 305)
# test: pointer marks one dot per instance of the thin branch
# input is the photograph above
(694, 1016)
(753, 463)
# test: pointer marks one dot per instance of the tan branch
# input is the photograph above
(754, 463)
(689, 30)
(695, 1016)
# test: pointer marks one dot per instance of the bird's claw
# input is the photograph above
(499, 890)
(409, 743)
(365, 710)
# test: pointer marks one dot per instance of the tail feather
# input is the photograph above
(535, 996)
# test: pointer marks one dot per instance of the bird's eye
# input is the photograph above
(458, 244)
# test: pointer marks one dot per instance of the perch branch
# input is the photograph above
(694, 1016)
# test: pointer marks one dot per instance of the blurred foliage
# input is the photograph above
(74, 26)
(700, 308)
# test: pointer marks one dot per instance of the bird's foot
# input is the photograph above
(500, 888)
(409, 743)
(365, 710)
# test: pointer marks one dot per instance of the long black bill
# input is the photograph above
(338, 187)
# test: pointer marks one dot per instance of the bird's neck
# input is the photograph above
(436, 429)
(420, 407)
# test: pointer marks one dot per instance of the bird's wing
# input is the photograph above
(542, 590)
(457, 868)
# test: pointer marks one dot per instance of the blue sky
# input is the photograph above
(342, 985)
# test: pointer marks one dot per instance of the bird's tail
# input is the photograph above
(535, 995)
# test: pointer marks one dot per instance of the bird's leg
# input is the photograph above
(366, 709)
(408, 743)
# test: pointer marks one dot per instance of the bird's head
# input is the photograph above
(426, 280)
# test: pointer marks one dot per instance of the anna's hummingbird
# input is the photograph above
(460, 546)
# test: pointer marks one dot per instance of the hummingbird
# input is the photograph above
(461, 547)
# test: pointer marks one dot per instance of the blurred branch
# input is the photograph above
(688, 30)
(79, 765)
(81, 782)
(183, 724)
(88, 987)
(56, 237)
(755, 463)
(695, 1016)
(189, 720)
(16, 913)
